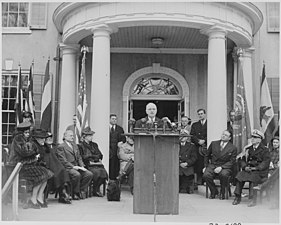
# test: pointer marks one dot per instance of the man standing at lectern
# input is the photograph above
(150, 119)
(115, 136)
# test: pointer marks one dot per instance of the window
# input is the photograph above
(273, 85)
(15, 14)
(9, 91)
(155, 86)
(22, 17)
(273, 16)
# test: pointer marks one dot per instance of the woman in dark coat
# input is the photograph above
(187, 158)
(48, 156)
(24, 151)
(92, 158)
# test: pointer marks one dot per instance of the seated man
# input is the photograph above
(126, 156)
(68, 154)
(92, 158)
(274, 155)
(220, 157)
(255, 166)
(187, 158)
(148, 121)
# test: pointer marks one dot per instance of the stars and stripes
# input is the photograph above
(29, 102)
(19, 98)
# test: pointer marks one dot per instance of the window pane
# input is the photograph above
(12, 129)
(4, 140)
(4, 19)
(13, 92)
(14, 7)
(12, 104)
(4, 104)
(13, 18)
(5, 92)
(5, 80)
(12, 117)
(4, 129)
(22, 20)
(14, 81)
(4, 117)
(23, 7)
(4, 7)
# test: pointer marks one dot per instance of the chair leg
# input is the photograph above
(104, 187)
(207, 188)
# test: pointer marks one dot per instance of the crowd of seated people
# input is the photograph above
(69, 168)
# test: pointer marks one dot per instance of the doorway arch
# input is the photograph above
(182, 85)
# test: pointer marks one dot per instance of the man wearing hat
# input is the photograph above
(187, 159)
(92, 158)
(69, 155)
(255, 166)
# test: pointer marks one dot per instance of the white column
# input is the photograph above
(216, 93)
(248, 82)
(235, 75)
(67, 88)
(100, 90)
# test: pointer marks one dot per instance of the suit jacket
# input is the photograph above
(187, 154)
(69, 157)
(115, 137)
(224, 158)
(230, 128)
(198, 132)
(142, 123)
(90, 152)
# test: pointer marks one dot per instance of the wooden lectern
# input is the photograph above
(156, 173)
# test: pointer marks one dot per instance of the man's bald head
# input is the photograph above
(68, 136)
(151, 110)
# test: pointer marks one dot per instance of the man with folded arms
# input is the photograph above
(68, 154)
(222, 155)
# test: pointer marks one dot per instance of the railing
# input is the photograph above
(13, 181)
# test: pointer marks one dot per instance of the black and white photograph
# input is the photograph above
(149, 112)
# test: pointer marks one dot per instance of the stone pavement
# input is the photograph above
(193, 209)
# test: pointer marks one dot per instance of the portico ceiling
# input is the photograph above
(173, 37)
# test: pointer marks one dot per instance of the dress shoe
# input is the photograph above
(236, 201)
(64, 201)
(82, 195)
(98, 194)
(43, 205)
(252, 203)
(222, 197)
(33, 205)
(132, 190)
(212, 196)
(189, 191)
(76, 196)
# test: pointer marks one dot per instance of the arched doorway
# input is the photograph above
(164, 86)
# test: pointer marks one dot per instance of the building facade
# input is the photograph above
(182, 56)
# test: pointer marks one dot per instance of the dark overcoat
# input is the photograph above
(260, 159)
(115, 137)
(187, 154)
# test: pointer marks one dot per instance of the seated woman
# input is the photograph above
(48, 157)
(92, 158)
(126, 156)
(24, 151)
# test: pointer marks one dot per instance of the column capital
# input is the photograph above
(69, 48)
(216, 31)
(245, 53)
(103, 29)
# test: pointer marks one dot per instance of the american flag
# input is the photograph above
(81, 121)
(29, 102)
(19, 99)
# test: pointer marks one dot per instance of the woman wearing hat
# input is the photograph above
(24, 151)
(92, 158)
(48, 157)
(255, 166)
(274, 155)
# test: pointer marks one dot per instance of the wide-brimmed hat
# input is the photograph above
(275, 138)
(258, 134)
(49, 134)
(88, 131)
(39, 133)
(24, 126)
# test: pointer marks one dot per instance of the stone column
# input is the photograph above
(248, 81)
(67, 88)
(100, 90)
(216, 93)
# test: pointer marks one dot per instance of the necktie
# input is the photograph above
(202, 122)
(222, 145)
(112, 129)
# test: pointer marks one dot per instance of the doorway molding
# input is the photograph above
(156, 68)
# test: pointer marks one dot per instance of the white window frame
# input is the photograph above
(271, 29)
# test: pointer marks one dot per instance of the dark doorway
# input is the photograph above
(164, 108)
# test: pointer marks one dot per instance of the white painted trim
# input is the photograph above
(160, 50)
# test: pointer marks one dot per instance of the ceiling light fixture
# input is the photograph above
(157, 41)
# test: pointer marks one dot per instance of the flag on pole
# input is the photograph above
(82, 101)
(29, 102)
(19, 99)
(267, 121)
(46, 102)
(241, 127)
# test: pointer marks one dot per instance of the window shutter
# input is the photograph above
(38, 15)
(273, 17)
